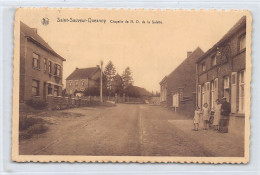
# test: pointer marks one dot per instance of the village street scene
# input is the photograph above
(102, 108)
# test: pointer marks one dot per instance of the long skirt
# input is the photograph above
(216, 119)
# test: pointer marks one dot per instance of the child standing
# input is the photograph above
(205, 116)
(196, 119)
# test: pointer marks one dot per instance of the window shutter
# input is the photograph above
(216, 89)
(233, 92)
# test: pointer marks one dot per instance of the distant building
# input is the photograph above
(178, 89)
(221, 70)
(82, 79)
(40, 66)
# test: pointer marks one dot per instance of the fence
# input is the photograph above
(58, 102)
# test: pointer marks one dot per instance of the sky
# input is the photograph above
(152, 51)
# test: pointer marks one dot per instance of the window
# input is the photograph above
(203, 66)
(57, 70)
(70, 83)
(203, 94)
(213, 61)
(49, 89)
(242, 42)
(76, 83)
(56, 91)
(45, 64)
(199, 96)
(35, 88)
(82, 83)
(212, 84)
(242, 91)
(226, 88)
(50, 67)
(226, 82)
(36, 61)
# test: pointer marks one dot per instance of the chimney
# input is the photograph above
(77, 68)
(34, 29)
(189, 53)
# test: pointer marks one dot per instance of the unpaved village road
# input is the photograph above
(128, 130)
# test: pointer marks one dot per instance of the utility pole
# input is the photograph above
(101, 83)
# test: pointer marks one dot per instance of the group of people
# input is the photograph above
(220, 114)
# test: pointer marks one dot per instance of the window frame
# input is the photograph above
(45, 64)
(37, 87)
(241, 84)
(49, 88)
(56, 90)
(226, 84)
(214, 57)
(203, 67)
(50, 67)
(243, 36)
(37, 61)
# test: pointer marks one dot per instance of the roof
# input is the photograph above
(194, 55)
(241, 23)
(163, 80)
(31, 34)
(83, 73)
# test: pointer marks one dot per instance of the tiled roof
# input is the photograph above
(30, 32)
(241, 23)
(83, 73)
(196, 54)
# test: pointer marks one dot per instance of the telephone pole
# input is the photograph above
(101, 82)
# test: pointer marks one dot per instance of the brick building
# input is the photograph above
(178, 89)
(82, 79)
(40, 66)
(221, 70)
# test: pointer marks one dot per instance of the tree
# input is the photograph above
(117, 85)
(110, 72)
(127, 78)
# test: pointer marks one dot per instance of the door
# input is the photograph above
(233, 92)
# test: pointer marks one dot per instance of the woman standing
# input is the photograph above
(217, 114)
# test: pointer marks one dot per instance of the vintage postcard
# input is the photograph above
(118, 85)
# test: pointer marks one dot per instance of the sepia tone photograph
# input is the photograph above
(100, 85)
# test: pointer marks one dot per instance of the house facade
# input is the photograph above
(178, 89)
(82, 79)
(221, 70)
(40, 66)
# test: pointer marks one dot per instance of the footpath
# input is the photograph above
(219, 144)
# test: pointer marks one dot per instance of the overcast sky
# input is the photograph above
(151, 51)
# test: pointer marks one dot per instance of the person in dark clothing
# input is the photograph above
(225, 112)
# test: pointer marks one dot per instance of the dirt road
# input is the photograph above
(127, 129)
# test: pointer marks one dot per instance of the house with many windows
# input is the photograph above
(178, 89)
(40, 66)
(83, 79)
(221, 70)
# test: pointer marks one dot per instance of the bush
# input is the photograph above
(37, 129)
(25, 122)
(37, 104)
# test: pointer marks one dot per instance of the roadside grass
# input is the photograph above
(29, 126)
